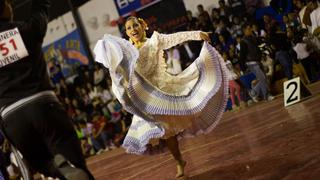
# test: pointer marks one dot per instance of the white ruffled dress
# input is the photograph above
(187, 104)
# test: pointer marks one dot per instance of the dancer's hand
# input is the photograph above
(205, 36)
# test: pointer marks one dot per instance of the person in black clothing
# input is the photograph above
(33, 120)
(249, 48)
(282, 47)
(250, 58)
(204, 22)
(238, 7)
(224, 10)
(192, 21)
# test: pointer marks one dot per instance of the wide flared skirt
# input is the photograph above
(160, 114)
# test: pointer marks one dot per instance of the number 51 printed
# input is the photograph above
(291, 91)
(5, 50)
(12, 47)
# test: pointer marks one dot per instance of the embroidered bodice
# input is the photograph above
(151, 64)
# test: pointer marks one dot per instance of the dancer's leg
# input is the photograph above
(173, 146)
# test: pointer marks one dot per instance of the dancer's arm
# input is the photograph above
(167, 41)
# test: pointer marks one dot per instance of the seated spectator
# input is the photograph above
(69, 107)
(301, 12)
(286, 62)
(315, 17)
(224, 10)
(87, 149)
(310, 7)
(268, 23)
(294, 21)
(282, 46)
(104, 94)
(77, 104)
(204, 16)
(99, 131)
(233, 57)
(122, 127)
(192, 21)
(235, 29)
(80, 116)
(258, 31)
(238, 7)
(286, 22)
(303, 55)
(237, 44)
(87, 129)
(98, 75)
(204, 22)
(225, 43)
(234, 87)
(298, 5)
(290, 35)
(215, 14)
(278, 8)
(93, 94)
(85, 96)
(221, 26)
(253, 5)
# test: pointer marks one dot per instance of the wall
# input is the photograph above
(96, 16)
(58, 28)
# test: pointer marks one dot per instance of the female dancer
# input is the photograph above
(165, 107)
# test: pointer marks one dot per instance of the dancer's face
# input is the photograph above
(135, 30)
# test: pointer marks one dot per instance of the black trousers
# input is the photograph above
(309, 66)
(41, 129)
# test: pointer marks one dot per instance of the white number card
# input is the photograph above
(12, 47)
(291, 91)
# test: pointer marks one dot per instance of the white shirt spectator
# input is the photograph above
(315, 19)
(301, 14)
(301, 50)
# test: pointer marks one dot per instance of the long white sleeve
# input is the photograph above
(167, 41)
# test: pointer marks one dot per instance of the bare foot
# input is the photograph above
(180, 169)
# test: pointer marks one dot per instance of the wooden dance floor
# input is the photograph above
(263, 141)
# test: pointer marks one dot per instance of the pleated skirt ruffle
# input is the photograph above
(162, 115)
